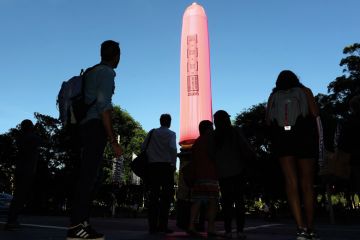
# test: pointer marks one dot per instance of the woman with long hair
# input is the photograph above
(231, 151)
(292, 114)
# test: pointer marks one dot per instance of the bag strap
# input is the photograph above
(147, 144)
(84, 73)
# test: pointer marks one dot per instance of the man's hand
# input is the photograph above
(117, 149)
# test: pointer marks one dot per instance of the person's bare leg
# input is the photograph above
(306, 173)
(288, 165)
(194, 212)
(211, 214)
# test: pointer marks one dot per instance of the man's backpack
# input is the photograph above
(287, 105)
(71, 99)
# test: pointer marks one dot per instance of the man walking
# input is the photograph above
(95, 130)
(161, 153)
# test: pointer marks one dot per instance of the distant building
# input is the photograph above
(134, 179)
(118, 169)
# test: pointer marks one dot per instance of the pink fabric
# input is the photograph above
(195, 82)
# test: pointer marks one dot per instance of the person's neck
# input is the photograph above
(107, 63)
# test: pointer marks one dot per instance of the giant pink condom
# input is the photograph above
(195, 82)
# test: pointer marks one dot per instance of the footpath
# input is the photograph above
(54, 228)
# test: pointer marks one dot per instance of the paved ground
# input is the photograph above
(54, 228)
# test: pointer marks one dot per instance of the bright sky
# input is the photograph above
(45, 42)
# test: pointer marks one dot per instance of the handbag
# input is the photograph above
(140, 164)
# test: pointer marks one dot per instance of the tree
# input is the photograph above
(334, 106)
(264, 176)
(347, 85)
(59, 158)
(131, 137)
(8, 153)
(50, 186)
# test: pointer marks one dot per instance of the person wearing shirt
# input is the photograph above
(95, 130)
(162, 154)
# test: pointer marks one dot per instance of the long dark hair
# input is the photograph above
(223, 128)
(286, 80)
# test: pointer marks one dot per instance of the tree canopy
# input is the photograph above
(59, 157)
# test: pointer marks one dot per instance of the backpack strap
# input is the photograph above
(148, 142)
(83, 74)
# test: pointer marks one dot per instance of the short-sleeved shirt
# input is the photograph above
(99, 86)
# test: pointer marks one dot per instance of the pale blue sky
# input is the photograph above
(45, 42)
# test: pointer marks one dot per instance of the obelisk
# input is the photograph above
(195, 81)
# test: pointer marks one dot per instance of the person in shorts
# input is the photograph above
(296, 148)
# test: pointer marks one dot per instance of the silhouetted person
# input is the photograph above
(28, 144)
(95, 130)
(161, 153)
(296, 146)
(205, 189)
(349, 142)
(227, 146)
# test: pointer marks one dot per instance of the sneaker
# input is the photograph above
(302, 234)
(83, 231)
(313, 235)
(240, 235)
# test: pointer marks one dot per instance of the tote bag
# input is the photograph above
(140, 164)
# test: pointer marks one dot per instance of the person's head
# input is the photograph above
(26, 126)
(110, 53)
(354, 104)
(286, 80)
(205, 126)
(222, 120)
(165, 120)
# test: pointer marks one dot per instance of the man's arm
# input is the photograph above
(106, 119)
(104, 105)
